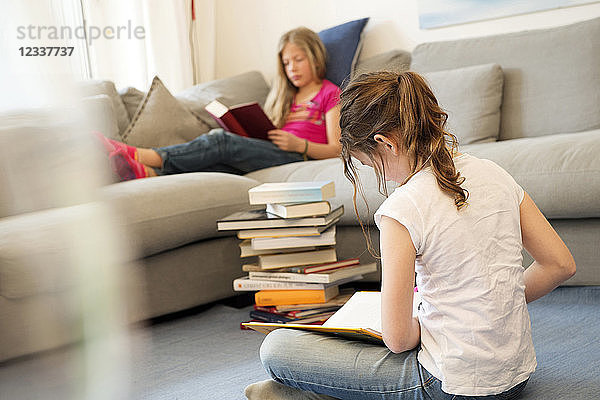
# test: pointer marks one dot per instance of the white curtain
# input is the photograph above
(204, 40)
(132, 60)
(28, 81)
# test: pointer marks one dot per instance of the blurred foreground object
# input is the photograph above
(65, 272)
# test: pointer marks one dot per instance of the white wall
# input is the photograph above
(247, 31)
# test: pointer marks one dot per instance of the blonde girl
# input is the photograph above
(458, 224)
(302, 104)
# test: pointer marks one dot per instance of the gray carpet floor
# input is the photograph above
(207, 356)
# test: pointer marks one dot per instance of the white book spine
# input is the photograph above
(290, 277)
(245, 284)
(286, 197)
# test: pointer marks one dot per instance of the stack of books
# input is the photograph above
(290, 250)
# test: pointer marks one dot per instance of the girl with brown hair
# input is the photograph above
(458, 224)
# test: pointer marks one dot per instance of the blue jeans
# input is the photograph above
(348, 369)
(221, 151)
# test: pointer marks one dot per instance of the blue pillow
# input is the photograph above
(342, 43)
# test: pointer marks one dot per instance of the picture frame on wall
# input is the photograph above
(441, 13)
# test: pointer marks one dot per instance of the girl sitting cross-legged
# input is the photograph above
(302, 104)
(457, 223)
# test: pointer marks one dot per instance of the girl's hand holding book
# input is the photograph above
(286, 141)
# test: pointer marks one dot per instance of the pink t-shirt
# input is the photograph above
(307, 120)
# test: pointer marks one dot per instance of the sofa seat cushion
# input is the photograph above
(48, 251)
(561, 173)
(331, 169)
(166, 212)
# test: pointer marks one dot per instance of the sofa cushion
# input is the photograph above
(551, 76)
(100, 115)
(166, 212)
(561, 173)
(47, 251)
(343, 43)
(132, 98)
(472, 97)
(96, 87)
(244, 88)
(161, 120)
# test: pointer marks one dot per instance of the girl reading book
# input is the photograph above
(302, 104)
(457, 223)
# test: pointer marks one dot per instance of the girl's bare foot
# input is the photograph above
(149, 158)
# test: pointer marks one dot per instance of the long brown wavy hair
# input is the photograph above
(403, 108)
(281, 96)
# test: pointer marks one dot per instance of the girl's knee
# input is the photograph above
(274, 346)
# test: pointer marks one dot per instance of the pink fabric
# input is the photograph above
(307, 120)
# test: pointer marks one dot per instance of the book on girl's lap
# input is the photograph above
(288, 192)
(247, 119)
(358, 318)
(260, 219)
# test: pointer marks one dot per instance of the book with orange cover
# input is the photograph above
(245, 119)
(283, 297)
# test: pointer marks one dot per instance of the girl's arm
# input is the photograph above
(401, 332)
(553, 261)
(333, 147)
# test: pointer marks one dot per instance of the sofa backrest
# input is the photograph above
(551, 76)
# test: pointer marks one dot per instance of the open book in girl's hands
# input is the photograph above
(245, 119)
(359, 318)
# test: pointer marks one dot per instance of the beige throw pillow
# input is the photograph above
(97, 87)
(472, 97)
(161, 120)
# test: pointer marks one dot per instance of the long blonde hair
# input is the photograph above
(281, 96)
(403, 108)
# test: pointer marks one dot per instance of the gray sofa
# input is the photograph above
(529, 101)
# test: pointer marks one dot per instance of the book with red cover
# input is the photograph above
(245, 119)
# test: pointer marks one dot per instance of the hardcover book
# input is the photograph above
(283, 260)
(311, 269)
(339, 301)
(245, 119)
(260, 219)
(246, 284)
(319, 277)
(326, 238)
(285, 232)
(296, 210)
(281, 297)
(246, 249)
(289, 192)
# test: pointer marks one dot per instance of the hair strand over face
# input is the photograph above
(403, 108)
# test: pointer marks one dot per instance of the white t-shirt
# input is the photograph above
(475, 327)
